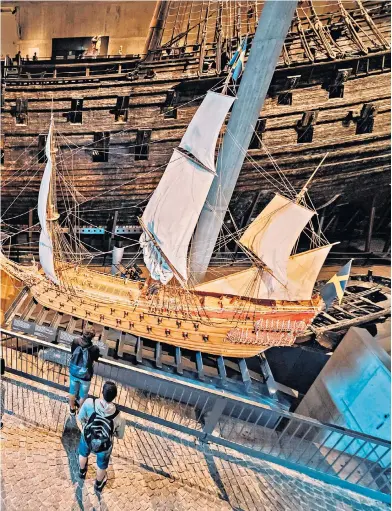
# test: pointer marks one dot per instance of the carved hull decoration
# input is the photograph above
(271, 332)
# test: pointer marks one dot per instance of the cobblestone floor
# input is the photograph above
(153, 468)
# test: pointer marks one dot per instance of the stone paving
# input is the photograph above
(153, 468)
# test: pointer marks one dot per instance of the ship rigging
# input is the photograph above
(239, 314)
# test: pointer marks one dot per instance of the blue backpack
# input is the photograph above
(80, 365)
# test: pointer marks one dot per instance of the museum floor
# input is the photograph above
(151, 469)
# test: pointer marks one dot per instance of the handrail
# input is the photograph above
(217, 392)
(50, 63)
(167, 60)
(212, 415)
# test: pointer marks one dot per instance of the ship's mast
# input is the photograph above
(266, 46)
(305, 188)
(157, 25)
(52, 212)
(47, 211)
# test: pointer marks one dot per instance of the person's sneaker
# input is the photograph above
(83, 472)
(72, 411)
(99, 485)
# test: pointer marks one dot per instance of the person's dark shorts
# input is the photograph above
(102, 457)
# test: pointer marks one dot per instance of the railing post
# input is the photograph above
(212, 417)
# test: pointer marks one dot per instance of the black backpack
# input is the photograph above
(99, 431)
(80, 365)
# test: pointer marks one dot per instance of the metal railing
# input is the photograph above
(333, 454)
(53, 69)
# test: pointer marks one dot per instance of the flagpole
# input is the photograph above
(233, 63)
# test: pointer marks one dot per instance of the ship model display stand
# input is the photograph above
(27, 316)
(366, 303)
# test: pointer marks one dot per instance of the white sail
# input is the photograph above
(45, 241)
(246, 283)
(173, 211)
(154, 260)
(302, 271)
(273, 234)
(202, 133)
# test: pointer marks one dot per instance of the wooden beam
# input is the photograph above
(383, 216)
(387, 244)
(222, 371)
(245, 374)
(158, 355)
(115, 220)
(199, 365)
(329, 202)
(323, 35)
(303, 39)
(204, 39)
(178, 358)
(351, 322)
(323, 208)
(330, 223)
(371, 224)
(373, 26)
(351, 30)
(354, 216)
(139, 350)
(269, 379)
(218, 38)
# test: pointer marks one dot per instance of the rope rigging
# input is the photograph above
(70, 250)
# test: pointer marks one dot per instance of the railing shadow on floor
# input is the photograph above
(330, 453)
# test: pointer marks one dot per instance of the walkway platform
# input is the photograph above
(152, 468)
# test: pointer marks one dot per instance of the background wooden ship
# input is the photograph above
(330, 92)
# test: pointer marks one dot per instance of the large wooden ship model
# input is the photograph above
(121, 119)
(239, 314)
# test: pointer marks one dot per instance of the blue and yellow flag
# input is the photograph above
(336, 286)
(237, 62)
(236, 54)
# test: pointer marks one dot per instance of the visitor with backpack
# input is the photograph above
(101, 421)
(83, 355)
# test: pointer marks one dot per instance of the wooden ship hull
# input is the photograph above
(316, 103)
(220, 327)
